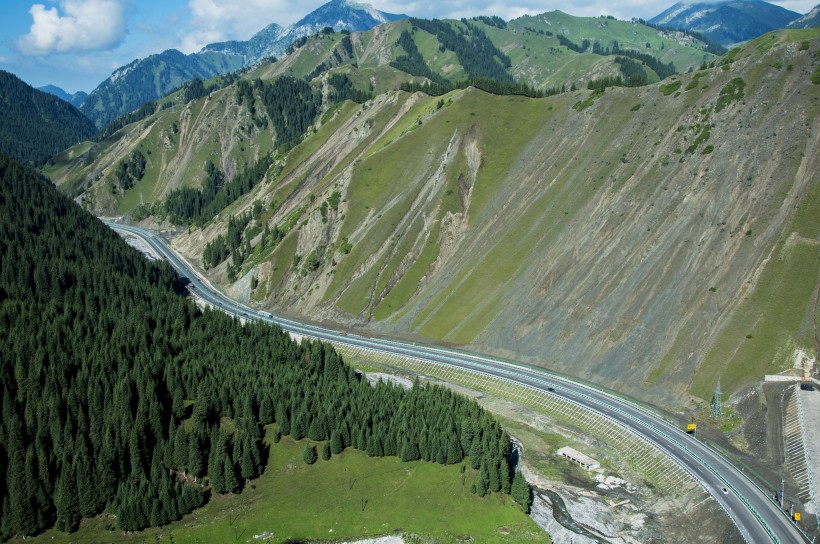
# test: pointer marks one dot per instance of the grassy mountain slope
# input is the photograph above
(541, 60)
(143, 80)
(652, 239)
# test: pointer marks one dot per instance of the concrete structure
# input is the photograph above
(576, 456)
(808, 403)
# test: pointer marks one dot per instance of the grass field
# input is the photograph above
(349, 496)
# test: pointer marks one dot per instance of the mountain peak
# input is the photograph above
(273, 40)
(348, 15)
(726, 22)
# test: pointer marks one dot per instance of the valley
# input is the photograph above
(480, 239)
(398, 265)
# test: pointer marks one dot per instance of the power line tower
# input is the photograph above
(717, 404)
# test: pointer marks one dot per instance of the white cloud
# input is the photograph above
(77, 26)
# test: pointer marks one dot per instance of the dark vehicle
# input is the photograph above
(806, 387)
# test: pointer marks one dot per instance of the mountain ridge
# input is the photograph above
(36, 125)
(75, 99)
(562, 243)
(727, 22)
(145, 80)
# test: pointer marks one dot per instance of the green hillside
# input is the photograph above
(122, 401)
(626, 236)
(35, 125)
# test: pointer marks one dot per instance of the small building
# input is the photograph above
(576, 456)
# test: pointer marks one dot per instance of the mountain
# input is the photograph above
(35, 125)
(101, 347)
(274, 40)
(374, 62)
(75, 99)
(729, 22)
(144, 80)
(654, 239)
(809, 20)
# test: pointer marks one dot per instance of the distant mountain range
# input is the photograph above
(727, 23)
(273, 40)
(150, 78)
(75, 99)
(809, 20)
(36, 125)
(144, 80)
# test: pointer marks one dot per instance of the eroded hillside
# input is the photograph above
(652, 239)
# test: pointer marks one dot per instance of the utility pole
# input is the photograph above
(717, 403)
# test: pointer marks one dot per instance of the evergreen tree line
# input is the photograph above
(292, 106)
(572, 46)
(130, 170)
(189, 205)
(220, 248)
(36, 125)
(412, 62)
(230, 243)
(345, 90)
(143, 112)
(663, 70)
(632, 75)
(119, 395)
(487, 85)
(194, 89)
(476, 53)
(340, 54)
(492, 20)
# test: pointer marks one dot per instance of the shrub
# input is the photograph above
(731, 92)
(669, 88)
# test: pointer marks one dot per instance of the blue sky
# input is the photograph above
(76, 44)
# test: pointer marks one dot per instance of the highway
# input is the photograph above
(756, 515)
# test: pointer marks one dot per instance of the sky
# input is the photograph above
(76, 44)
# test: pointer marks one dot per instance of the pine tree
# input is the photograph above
(475, 453)
(196, 456)
(177, 405)
(325, 451)
(68, 509)
(247, 468)
(181, 449)
(231, 483)
(494, 482)
(298, 428)
(335, 443)
(454, 454)
(480, 486)
(310, 456)
(521, 492)
(409, 451)
(504, 476)
(266, 411)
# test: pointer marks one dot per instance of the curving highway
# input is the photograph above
(758, 518)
